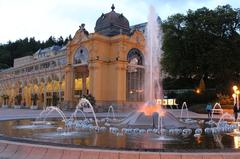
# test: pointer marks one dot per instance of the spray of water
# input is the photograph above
(81, 104)
(51, 109)
(109, 111)
(184, 106)
(153, 81)
(153, 86)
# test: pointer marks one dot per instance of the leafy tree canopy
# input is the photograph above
(203, 43)
(25, 47)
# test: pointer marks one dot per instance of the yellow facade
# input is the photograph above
(107, 64)
(96, 63)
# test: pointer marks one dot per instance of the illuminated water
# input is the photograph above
(106, 140)
(153, 82)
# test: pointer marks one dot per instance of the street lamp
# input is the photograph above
(236, 95)
(235, 88)
(237, 92)
(198, 91)
(234, 98)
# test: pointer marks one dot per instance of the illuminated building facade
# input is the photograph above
(108, 64)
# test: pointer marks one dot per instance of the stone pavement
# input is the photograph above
(9, 113)
(14, 150)
(177, 113)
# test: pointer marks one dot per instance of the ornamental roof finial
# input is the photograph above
(113, 7)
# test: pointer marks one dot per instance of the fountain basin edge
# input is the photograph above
(14, 149)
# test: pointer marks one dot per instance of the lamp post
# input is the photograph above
(237, 92)
(236, 95)
(234, 98)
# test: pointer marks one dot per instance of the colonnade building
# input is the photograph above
(108, 64)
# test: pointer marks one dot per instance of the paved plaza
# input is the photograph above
(8, 113)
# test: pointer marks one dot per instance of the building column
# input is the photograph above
(69, 85)
(84, 84)
(59, 90)
(38, 92)
(9, 92)
(1, 89)
(22, 87)
(95, 76)
(29, 92)
(120, 82)
(59, 84)
(44, 94)
(22, 93)
(12, 92)
(52, 90)
(32, 90)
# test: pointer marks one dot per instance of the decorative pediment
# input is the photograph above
(80, 35)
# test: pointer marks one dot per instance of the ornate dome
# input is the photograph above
(112, 23)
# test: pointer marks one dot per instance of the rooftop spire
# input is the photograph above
(113, 7)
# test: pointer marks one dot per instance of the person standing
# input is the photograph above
(209, 110)
(235, 111)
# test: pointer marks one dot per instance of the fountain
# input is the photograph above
(84, 101)
(153, 82)
(113, 114)
(133, 128)
(225, 116)
(186, 119)
(216, 109)
(184, 105)
(41, 122)
(153, 88)
(45, 113)
(74, 114)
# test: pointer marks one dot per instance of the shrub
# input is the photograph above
(194, 98)
(171, 95)
(225, 99)
(90, 98)
(181, 83)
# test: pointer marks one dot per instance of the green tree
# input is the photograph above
(25, 47)
(203, 43)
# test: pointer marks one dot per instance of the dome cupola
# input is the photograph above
(112, 23)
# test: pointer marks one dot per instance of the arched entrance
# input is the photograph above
(135, 76)
(81, 73)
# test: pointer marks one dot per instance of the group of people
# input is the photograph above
(235, 110)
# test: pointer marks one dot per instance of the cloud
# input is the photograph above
(43, 18)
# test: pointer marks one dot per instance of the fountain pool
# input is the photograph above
(123, 138)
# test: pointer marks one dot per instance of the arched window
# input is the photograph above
(81, 56)
(135, 57)
(135, 76)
